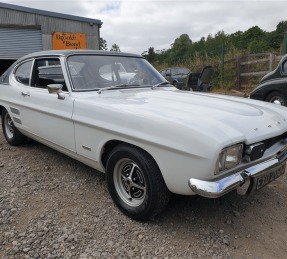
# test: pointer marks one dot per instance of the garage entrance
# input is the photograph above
(16, 42)
(4, 64)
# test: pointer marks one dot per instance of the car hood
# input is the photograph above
(215, 118)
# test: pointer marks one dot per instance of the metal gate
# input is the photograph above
(17, 42)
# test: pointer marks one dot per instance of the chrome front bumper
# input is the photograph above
(245, 181)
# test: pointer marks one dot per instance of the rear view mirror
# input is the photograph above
(56, 88)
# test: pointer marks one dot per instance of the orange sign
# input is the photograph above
(65, 40)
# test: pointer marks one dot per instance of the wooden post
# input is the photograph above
(271, 61)
(222, 64)
(238, 72)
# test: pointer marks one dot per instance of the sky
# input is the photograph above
(136, 25)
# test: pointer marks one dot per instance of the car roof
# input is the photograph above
(67, 53)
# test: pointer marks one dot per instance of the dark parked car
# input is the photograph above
(273, 86)
(200, 81)
(176, 75)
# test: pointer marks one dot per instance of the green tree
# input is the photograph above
(180, 48)
(259, 46)
(251, 36)
(281, 27)
(275, 38)
(151, 56)
(185, 52)
(115, 47)
(103, 44)
(213, 45)
(197, 48)
(236, 40)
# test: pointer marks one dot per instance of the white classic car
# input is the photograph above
(150, 138)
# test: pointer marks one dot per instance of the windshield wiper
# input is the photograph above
(125, 85)
(159, 84)
(113, 87)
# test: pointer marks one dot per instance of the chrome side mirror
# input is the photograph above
(56, 88)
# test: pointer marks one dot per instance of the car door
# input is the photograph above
(168, 75)
(284, 74)
(45, 116)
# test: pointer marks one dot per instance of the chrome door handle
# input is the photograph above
(25, 93)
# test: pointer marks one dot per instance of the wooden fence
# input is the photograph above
(247, 70)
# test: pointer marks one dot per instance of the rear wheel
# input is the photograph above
(175, 84)
(135, 183)
(277, 98)
(12, 135)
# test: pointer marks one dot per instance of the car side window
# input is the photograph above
(47, 71)
(284, 67)
(23, 72)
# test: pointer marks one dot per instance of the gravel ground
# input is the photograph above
(52, 206)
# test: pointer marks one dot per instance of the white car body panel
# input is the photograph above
(153, 122)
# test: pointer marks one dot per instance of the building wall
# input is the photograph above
(49, 24)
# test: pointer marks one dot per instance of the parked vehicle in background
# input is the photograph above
(116, 113)
(200, 81)
(273, 86)
(176, 75)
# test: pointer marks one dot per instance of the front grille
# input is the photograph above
(256, 150)
(270, 142)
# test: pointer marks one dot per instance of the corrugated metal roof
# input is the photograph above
(48, 13)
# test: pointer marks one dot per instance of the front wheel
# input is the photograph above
(12, 135)
(135, 183)
(277, 98)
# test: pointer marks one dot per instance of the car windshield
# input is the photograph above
(94, 72)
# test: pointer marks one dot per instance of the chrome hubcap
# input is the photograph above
(9, 126)
(129, 182)
(277, 100)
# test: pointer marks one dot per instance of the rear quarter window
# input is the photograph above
(22, 73)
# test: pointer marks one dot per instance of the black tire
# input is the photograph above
(135, 183)
(175, 84)
(277, 97)
(12, 135)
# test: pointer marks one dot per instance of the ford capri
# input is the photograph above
(114, 112)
